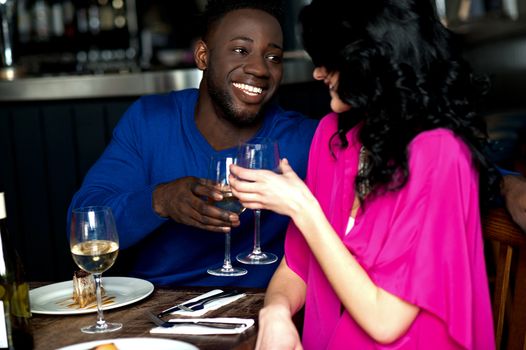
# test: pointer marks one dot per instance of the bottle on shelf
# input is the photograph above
(15, 326)
(42, 20)
(68, 10)
(23, 21)
(81, 16)
(94, 18)
(57, 18)
(106, 15)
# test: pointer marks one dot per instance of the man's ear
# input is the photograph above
(201, 55)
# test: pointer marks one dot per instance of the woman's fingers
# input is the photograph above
(284, 166)
(244, 173)
(265, 189)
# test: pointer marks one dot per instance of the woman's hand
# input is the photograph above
(285, 296)
(276, 330)
(283, 193)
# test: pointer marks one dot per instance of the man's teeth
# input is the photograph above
(249, 89)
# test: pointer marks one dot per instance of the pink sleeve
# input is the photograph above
(433, 255)
(297, 251)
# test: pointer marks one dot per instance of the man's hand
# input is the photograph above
(513, 188)
(183, 201)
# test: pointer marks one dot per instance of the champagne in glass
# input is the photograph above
(94, 244)
(218, 175)
(258, 153)
(95, 256)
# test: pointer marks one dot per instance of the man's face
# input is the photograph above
(245, 53)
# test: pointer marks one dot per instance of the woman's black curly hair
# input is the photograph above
(216, 9)
(402, 72)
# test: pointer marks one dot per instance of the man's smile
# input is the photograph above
(248, 89)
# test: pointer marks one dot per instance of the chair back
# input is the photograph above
(507, 274)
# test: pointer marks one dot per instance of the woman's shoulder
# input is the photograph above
(330, 121)
(440, 137)
(328, 125)
(440, 143)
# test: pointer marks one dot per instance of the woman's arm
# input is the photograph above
(284, 297)
(382, 315)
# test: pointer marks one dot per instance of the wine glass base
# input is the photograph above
(257, 259)
(108, 327)
(228, 272)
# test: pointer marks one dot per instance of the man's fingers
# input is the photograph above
(204, 188)
(208, 215)
(207, 209)
(198, 224)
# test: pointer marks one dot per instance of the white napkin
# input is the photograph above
(203, 330)
(213, 305)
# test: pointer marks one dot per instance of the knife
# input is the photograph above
(189, 306)
(200, 304)
(211, 324)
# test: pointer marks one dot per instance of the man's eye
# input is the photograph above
(275, 58)
(240, 50)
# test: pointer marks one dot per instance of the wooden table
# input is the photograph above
(54, 331)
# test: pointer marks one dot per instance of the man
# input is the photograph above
(152, 172)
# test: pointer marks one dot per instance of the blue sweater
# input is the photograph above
(157, 141)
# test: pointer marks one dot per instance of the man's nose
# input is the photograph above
(257, 65)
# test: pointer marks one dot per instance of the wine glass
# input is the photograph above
(218, 175)
(258, 153)
(94, 244)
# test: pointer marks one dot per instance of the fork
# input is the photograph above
(167, 324)
(196, 305)
(200, 304)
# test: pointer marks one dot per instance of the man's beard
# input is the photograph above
(227, 110)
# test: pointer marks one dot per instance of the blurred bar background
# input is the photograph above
(70, 68)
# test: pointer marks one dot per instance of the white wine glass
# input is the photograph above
(218, 173)
(258, 153)
(94, 245)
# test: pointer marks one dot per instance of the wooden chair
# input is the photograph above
(508, 281)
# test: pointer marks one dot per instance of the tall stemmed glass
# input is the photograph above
(218, 175)
(258, 153)
(94, 244)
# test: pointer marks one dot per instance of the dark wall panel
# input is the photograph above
(90, 133)
(46, 150)
(8, 177)
(62, 180)
(33, 205)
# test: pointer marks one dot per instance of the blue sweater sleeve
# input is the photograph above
(119, 179)
(505, 172)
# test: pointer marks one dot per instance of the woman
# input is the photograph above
(385, 249)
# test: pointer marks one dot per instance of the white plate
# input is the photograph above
(54, 299)
(136, 344)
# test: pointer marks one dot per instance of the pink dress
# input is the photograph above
(422, 244)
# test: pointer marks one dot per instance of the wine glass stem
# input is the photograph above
(227, 263)
(257, 222)
(101, 323)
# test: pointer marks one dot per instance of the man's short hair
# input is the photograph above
(217, 9)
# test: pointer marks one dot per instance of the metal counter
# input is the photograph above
(122, 85)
